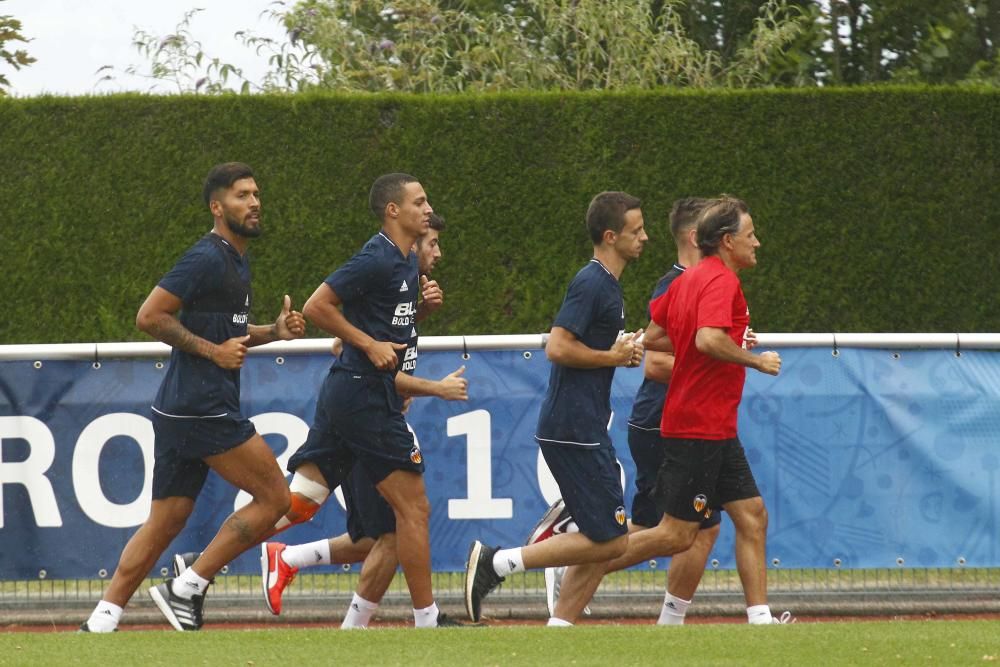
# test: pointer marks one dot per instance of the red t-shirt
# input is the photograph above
(704, 393)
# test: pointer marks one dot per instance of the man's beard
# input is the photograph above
(238, 228)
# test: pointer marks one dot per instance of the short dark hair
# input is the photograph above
(684, 215)
(436, 222)
(387, 188)
(223, 176)
(721, 217)
(607, 211)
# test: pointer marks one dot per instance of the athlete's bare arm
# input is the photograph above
(158, 317)
(452, 387)
(717, 344)
(656, 338)
(659, 366)
(323, 310)
(565, 349)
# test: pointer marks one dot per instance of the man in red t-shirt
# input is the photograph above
(703, 319)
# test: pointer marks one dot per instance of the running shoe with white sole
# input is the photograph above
(480, 578)
(553, 584)
(183, 614)
(275, 574)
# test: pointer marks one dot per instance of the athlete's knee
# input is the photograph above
(617, 547)
(278, 500)
(750, 517)
(387, 540)
(757, 514)
(305, 499)
(168, 517)
(674, 536)
(708, 536)
(414, 510)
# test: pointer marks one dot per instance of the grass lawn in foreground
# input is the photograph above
(835, 643)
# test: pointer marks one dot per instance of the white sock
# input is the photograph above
(105, 617)
(426, 617)
(508, 561)
(359, 613)
(759, 614)
(673, 610)
(189, 584)
(307, 555)
(558, 623)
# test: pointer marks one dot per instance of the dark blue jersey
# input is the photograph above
(577, 405)
(378, 288)
(648, 407)
(212, 280)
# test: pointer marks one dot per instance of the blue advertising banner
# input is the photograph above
(870, 458)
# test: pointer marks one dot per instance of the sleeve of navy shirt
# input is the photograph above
(189, 274)
(359, 275)
(577, 310)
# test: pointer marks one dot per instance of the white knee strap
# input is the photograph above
(304, 486)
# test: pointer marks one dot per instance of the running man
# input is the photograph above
(201, 309)
(586, 344)
(646, 446)
(371, 523)
(370, 303)
(704, 320)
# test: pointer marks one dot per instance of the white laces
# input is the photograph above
(785, 618)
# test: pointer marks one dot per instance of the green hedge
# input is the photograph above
(878, 209)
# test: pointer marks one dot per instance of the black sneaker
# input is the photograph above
(183, 615)
(184, 561)
(446, 621)
(85, 626)
(480, 578)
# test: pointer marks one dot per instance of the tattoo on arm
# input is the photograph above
(169, 330)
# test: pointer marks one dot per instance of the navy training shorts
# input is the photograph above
(181, 444)
(358, 419)
(589, 480)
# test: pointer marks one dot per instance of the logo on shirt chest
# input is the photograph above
(241, 318)
(404, 314)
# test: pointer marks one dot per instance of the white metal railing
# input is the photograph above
(888, 341)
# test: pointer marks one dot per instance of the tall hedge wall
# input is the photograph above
(878, 209)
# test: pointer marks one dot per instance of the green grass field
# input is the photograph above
(911, 642)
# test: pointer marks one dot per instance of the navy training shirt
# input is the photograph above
(577, 405)
(378, 288)
(648, 406)
(212, 280)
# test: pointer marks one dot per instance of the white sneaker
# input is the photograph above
(785, 618)
(553, 582)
